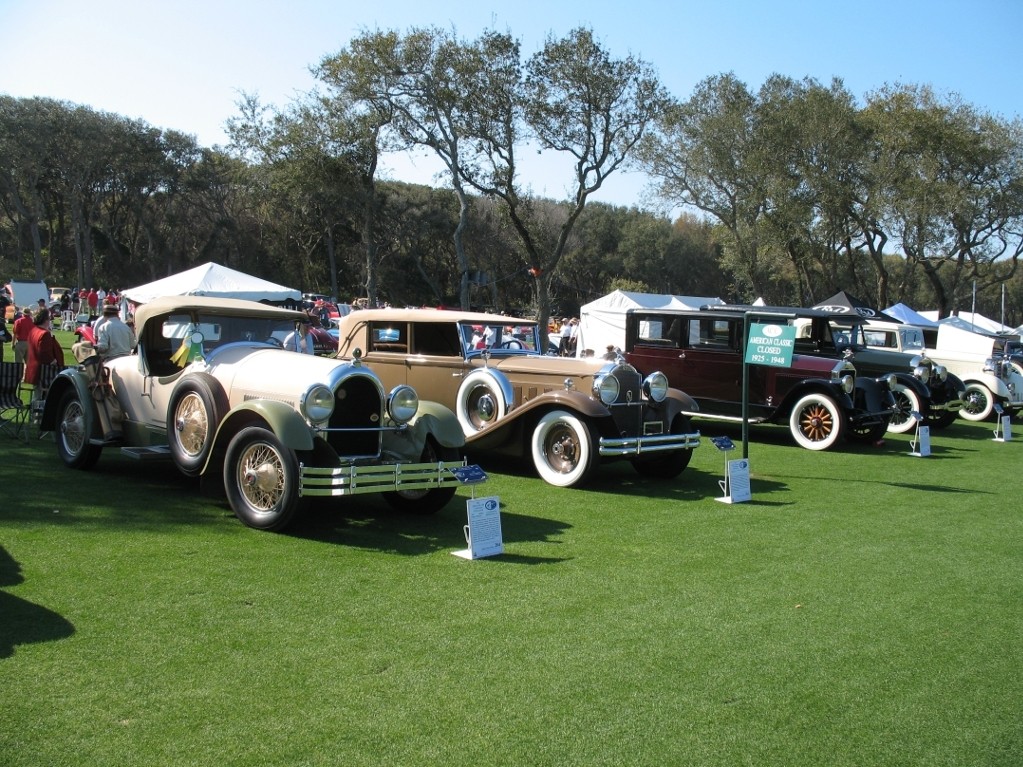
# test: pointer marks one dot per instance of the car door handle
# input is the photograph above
(682, 355)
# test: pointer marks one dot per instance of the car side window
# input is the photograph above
(435, 339)
(657, 331)
(388, 337)
(710, 334)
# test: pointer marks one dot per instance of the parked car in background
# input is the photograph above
(821, 400)
(921, 386)
(983, 362)
(209, 388)
(567, 415)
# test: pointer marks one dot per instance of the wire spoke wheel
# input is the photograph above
(192, 424)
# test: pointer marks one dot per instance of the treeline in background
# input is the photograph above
(785, 193)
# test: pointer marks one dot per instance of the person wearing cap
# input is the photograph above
(43, 348)
(22, 327)
(113, 337)
(299, 340)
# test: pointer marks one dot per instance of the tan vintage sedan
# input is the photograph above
(510, 398)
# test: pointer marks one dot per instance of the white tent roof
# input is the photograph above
(972, 321)
(212, 280)
(602, 322)
(903, 313)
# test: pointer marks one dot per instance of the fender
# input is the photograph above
(917, 386)
(70, 378)
(676, 401)
(818, 386)
(434, 418)
(991, 382)
(289, 427)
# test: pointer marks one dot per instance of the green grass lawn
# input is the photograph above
(865, 608)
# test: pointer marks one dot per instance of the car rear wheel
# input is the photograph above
(72, 438)
(426, 500)
(816, 423)
(906, 401)
(564, 449)
(667, 465)
(978, 403)
(261, 478)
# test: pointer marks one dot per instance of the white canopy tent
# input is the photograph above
(904, 314)
(602, 322)
(212, 280)
(972, 321)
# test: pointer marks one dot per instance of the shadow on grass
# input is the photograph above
(23, 621)
(371, 524)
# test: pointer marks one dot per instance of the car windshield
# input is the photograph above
(219, 330)
(845, 334)
(912, 339)
(518, 338)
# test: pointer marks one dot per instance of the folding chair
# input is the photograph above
(67, 320)
(13, 410)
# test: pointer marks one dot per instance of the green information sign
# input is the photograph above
(770, 345)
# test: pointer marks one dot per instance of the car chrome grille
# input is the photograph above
(357, 406)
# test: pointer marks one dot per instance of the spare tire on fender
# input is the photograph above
(483, 400)
(196, 408)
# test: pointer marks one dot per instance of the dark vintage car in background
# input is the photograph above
(210, 388)
(567, 415)
(822, 401)
(921, 385)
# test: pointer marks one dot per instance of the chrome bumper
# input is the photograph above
(375, 478)
(653, 443)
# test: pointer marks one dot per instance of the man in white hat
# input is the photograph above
(113, 337)
(299, 340)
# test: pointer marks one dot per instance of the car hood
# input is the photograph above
(536, 365)
(264, 372)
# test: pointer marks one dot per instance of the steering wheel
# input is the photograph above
(511, 344)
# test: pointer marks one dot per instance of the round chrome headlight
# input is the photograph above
(940, 372)
(655, 386)
(892, 380)
(402, 403)
(318, 403)
(848, 384)
(605, 388)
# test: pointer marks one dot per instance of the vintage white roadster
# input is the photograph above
(210, 386)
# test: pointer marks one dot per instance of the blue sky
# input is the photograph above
(182, 64)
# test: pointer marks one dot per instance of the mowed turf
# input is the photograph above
(865, 608)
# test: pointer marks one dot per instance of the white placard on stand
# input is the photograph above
(483, 533)
(921, 443)
(735, 485)
(1003, 428)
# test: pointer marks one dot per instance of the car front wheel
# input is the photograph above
(667, 465)
(564, 449)
(978, 403)
(261, 478)
(816, 423)
(906, 401)
(72, 438)
(426, 500)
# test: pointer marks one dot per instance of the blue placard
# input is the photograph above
(469, 475)
(724, 444)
